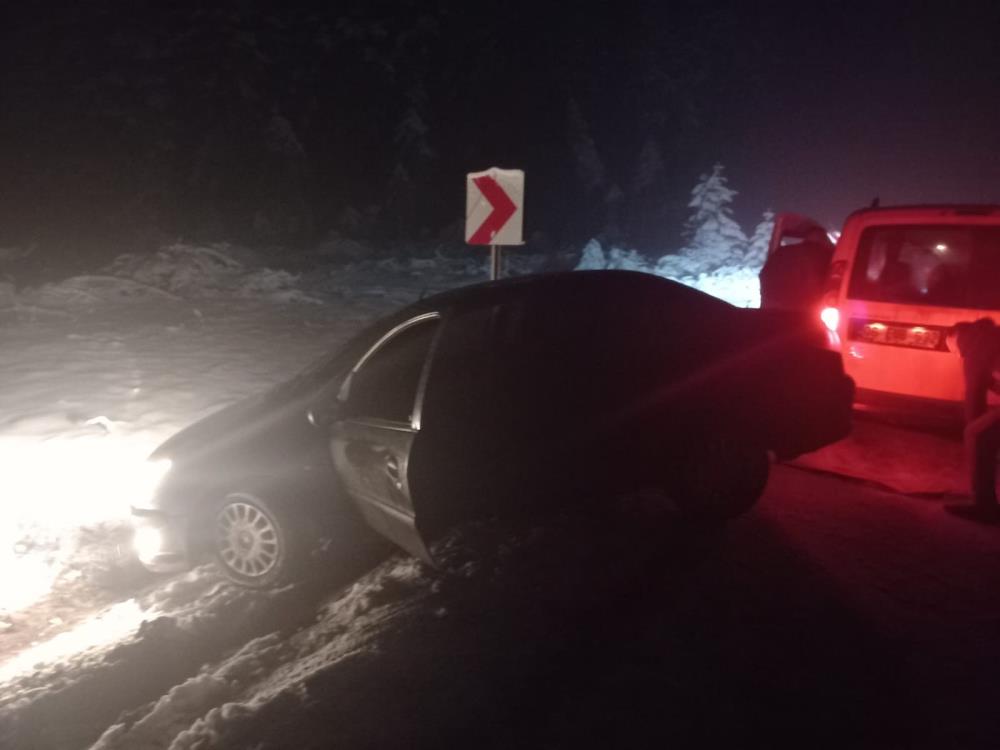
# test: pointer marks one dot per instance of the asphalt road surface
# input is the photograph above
(834, 615)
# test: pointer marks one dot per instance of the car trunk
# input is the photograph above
(786, 382)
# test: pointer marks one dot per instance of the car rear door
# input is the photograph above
(373, 438)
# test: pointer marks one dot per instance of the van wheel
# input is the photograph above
(255, 541)
(721, 478)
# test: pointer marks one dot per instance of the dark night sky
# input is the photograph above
(881, 99)
(815, 107)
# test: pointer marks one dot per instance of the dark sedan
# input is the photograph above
(494, 397)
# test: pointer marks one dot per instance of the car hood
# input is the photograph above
(231, 428)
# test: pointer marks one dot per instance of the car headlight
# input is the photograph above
(150, 477)
(148, 541)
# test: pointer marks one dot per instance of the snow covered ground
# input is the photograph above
(97, 370)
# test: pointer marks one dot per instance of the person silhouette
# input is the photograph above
(793, 276)
(979, 344)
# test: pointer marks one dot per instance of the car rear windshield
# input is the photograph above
(942, 266)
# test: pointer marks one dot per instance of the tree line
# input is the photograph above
(124, 125)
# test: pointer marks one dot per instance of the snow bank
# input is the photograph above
(413, 272)
(736, 284)
(170, 716)
(174, 273)
(197, 271)
(401, 632)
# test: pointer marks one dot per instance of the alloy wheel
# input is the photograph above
(247, 539)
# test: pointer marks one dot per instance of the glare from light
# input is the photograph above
(148, 541)
(740, 288)
(51, 489)
(941, 248)
(830, 317)
(26, 578)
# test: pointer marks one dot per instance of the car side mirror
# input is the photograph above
(321, 415)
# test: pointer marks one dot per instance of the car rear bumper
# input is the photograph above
(160, 540)
(815, 420)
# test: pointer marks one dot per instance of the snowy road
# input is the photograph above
(834, 615)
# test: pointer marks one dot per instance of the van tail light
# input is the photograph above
(829, 312)
(830, 317)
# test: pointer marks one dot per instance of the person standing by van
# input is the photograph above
(979, 345)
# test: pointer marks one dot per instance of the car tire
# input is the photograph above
(721, 478)
(256, 542)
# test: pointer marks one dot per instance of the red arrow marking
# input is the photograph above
(503, 209)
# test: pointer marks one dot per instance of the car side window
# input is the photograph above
(462, 385)
(385, 385)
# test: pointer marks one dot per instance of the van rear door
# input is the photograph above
(791, 228)
(908, 284)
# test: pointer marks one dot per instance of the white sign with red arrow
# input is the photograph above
(494, 207)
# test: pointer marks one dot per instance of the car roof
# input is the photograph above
(580, 285)
(565, 288)
(926, 211)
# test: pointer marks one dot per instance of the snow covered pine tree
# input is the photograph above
(760, 240)
(714, 239)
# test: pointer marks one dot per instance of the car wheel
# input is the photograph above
(719, 479)
(254, 541)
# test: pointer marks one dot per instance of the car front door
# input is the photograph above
(372, 439)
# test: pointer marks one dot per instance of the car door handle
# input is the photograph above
(392, 470)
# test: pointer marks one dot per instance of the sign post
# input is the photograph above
(494, 211)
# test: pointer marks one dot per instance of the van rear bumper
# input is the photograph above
(914, 410)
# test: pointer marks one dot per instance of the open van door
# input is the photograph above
(798, 261)
(790, 229)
